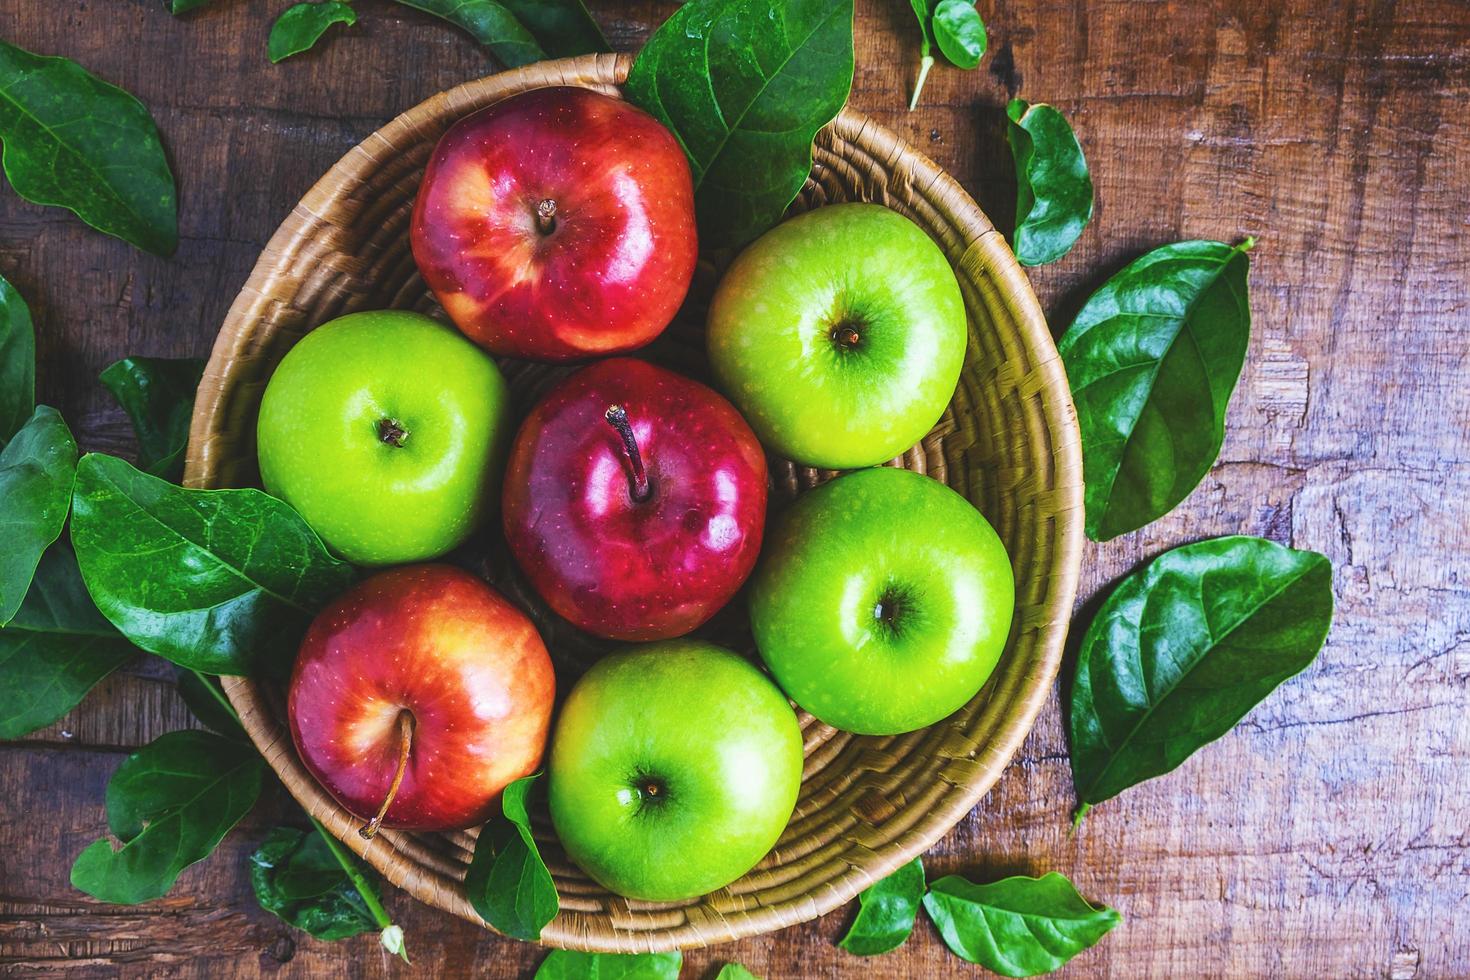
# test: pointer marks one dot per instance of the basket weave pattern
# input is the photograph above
(1008, 442)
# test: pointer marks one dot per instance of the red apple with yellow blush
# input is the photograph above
(418, 696)
(557, 224)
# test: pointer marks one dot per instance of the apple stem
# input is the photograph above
(617, 417)
(405, 742)
(846, 336)
(546, 216)
(392, 432)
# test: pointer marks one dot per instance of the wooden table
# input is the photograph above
(1329, 835)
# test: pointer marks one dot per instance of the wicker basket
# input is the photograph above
(1008, 442)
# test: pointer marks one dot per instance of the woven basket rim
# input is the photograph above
(249, 698)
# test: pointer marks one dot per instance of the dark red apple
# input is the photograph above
(557, 224)
(634, 500)
(418, 696)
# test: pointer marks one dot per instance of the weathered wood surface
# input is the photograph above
(1328, 836)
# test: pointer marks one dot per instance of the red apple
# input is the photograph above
(635, 500)
(557, 224)
(418, 696)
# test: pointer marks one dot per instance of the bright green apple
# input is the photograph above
(882, 602)
(840, 335)
(385, 431)
(674, 768)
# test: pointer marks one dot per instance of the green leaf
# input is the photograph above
(37, 468)
(214, 580)
(1152, 359)
(1017, 927)
(745, 85)
(158, 396)
(75, 141)
(1053, 188)
(566, 964)
(297, 878)
(1184, 648)
(56, 648)
(960, 33)
(207, 702)
(734, 971)
(563, 28)
(177, 7)
(170, 804)
(490, 23)
(507, 882)
(301, 26)
(17, 362)
(886, 912)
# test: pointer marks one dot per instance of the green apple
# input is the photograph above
(882, 602)
(385, 431)
(674, 768)
(840, 335)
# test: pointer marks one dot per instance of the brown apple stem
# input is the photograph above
(392, 432)
(546, 216)
(405, 742)
(617, 417)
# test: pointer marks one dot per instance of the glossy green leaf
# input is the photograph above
(507, 882)
(56, 648)
(1182, 649)
(169, 804)
(734, 971)
(215, 580)
(17, 362)
(886, 912)
(490, 23)
(297, 878)
(300, 26)
(1017, 927)
(745, 85)
(563, 28)
(158, 396)
(566, 964)
(1152, 359)
(75, 141)
(37, 468)
(1053, 187)
(960, 33)
(206, 701)
(177, 7)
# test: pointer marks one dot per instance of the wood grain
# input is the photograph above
(1328, 836)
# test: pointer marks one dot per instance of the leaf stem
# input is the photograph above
(925, 63)
(349, 868)
(1081, 812)
(215, 693)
